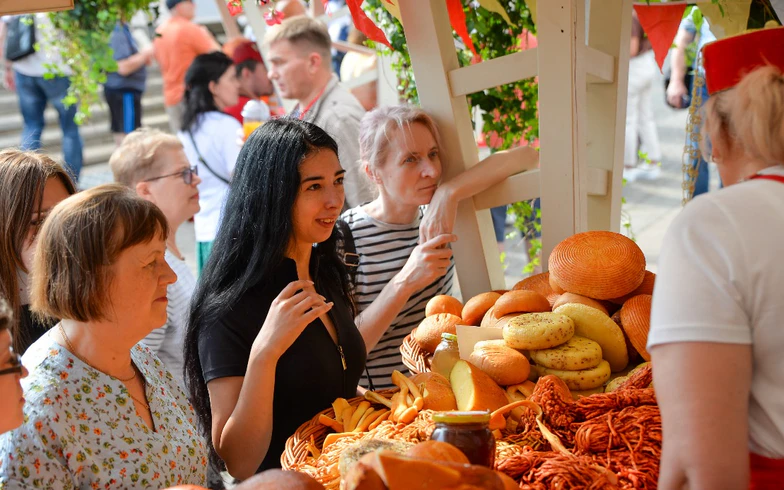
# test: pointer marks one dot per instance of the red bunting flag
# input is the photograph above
(458, 20)
(660, 22)
(363, 23)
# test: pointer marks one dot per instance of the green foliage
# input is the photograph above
(509, 112)
(83, 42)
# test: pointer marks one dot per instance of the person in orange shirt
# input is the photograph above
(177, 43)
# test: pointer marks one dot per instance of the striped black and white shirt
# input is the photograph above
(168, 341)
(383, 250)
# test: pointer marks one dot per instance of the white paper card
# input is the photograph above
(468, 336)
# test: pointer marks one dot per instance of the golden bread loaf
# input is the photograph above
(636, 322)
(557, 289)
(475, 390)
(405, 473)
(532, 331)
(576, 354)
(438, 451)
(520, 301)
(539, 283)
(577, 298)
(597, 264)
(476, 307)
(489, 320)
(503, 364)
(646, 287)
(436, 392)
(585, 379)
(443, 303)
(595, 325)
(428, 334)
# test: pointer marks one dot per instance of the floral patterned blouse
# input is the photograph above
(81, 429)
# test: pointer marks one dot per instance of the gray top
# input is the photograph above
(124, 46)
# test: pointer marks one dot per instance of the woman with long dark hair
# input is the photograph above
(271, 338)
(31, 184)
(209, 138)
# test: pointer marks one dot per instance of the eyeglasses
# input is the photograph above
(187, 175)
(16, 362)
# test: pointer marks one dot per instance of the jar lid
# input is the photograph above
(462, 417)
(449, 336)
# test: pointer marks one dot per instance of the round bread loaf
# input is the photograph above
(576, 298)
(443, 303)
(438, 451)
(503, 364)
(576, 354)
(645, 288)
(520, 301)
(532, 331)
(597, 264)
(636, 322)
(539, 283)
(557, 289)
(489, 320)
(476, 307)
(595, 325)
(428, 334)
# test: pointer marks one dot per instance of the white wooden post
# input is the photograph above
(433, 56)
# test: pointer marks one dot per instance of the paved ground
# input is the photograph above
(650, 204)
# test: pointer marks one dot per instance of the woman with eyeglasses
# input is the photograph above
(11, 373)
(209, 137)
(153, 164)
(31, 184)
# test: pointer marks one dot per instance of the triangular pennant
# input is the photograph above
(733, 20)
(660, 22)
(363, 23)
(494, 6)
(458, 20)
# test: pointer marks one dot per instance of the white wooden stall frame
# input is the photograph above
(582, 112)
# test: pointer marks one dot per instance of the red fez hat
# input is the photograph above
(246, 51)
(727, 61)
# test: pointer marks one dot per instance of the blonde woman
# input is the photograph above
(716, 338)
(402, 236)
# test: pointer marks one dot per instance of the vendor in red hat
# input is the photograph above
(717, 320)
(252, 75)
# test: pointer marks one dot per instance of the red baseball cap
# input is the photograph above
(245, 51)
(728, 60)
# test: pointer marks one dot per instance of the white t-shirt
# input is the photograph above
(383, 250)
(720, 279)
(168, 341)
(216, 138)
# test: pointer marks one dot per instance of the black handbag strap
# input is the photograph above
(204, 162)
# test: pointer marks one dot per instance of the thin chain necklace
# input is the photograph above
(73, 351)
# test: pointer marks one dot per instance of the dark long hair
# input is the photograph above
(253, 238)
(205, 68)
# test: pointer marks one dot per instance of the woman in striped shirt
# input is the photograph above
(402, 237)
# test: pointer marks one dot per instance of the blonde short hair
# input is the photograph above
(80, 241)
(138, 157)
(377, 126)
(751, 115)
(303, 32)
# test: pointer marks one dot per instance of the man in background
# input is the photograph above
(178, 41)
(252, 76)
(301, 66)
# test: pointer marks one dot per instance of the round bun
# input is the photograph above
(645, 288)
(503, 364)
(539, 283)
(597, 264)
(476, 307)
(636, 322)
(557, 289)
(275, 479)
(428, 334)
(438, 451)
(538, 330)
(489, 320)
(576, 298)
(521, 301)
(443, 303)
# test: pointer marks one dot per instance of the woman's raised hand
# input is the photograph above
(291, 311)
(440, 215)
(428, 262)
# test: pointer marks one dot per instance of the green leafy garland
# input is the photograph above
(510, 112)
(83, 42)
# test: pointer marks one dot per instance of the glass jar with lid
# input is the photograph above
(445, 355)
(468, 431)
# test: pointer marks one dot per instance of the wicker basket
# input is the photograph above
(416, 360)
(297, 445)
